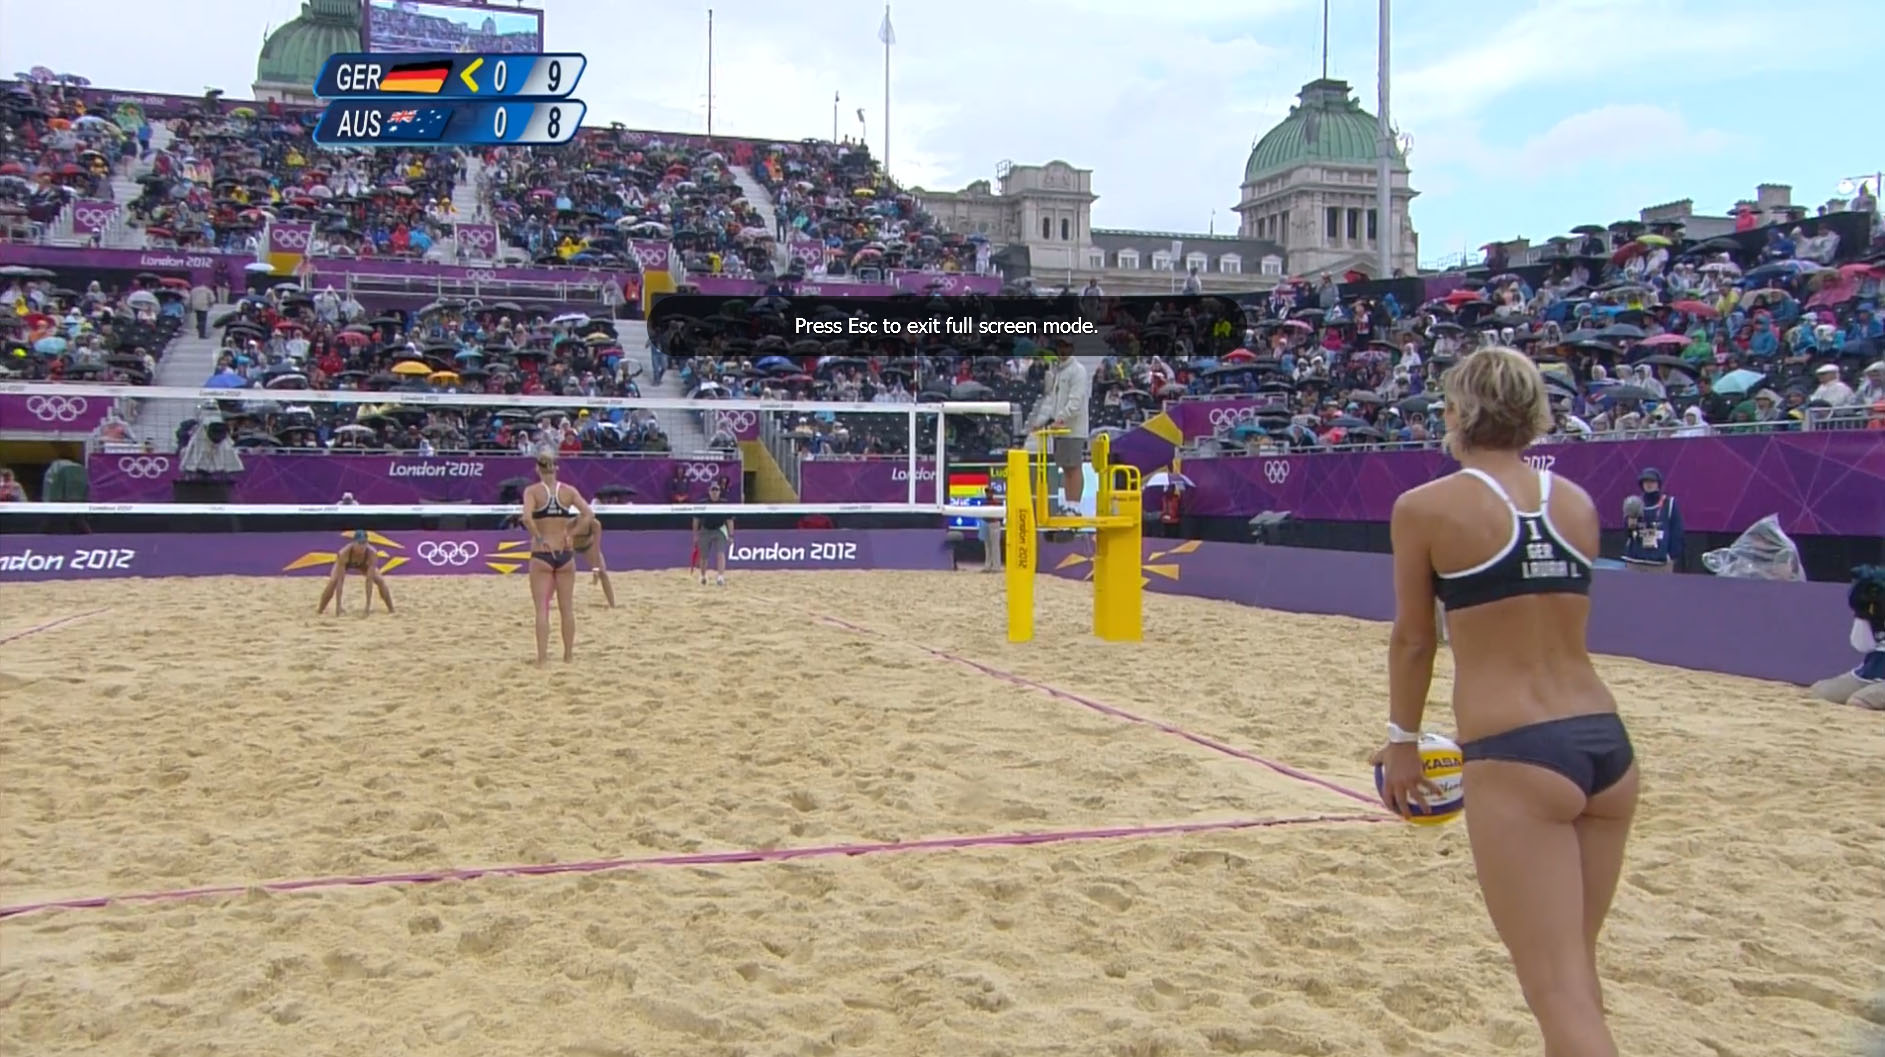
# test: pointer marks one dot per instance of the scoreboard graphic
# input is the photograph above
(449, 100)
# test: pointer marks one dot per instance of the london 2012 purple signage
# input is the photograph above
(880, 480)
(1829, 483)
(277, 477)
(54, 413)
(472, 553)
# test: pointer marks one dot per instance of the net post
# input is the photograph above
(942, 477)
(1118, 581)
(1018, 531)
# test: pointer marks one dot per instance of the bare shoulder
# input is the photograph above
(1564, 486)
(1423, 500)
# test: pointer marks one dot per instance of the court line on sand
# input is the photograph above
(725, 858)
(50, 624)
(1117, 713)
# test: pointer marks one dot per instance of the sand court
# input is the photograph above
(206, 732)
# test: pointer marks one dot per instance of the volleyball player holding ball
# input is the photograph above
(1549, 773)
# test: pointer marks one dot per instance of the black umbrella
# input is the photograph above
(1672, 362)
(1621, 331)
(971, 391)
(1628, 392)
(1417, 405)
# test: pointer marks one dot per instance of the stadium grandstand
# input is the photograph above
(187, 242)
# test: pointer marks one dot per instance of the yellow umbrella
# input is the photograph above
(411, 367)
(865, 192)
(443, 376)
(1654, 240)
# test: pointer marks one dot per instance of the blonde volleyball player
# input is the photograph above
(356, 557)
(1550, 775)
(586, 541)
(551, 513)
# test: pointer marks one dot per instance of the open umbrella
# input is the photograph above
(1163, 479)
(1737, 382)
(1664, 341)
(1672, 362)
(411, 368)
(1628, 392)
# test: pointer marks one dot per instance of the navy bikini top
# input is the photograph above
(1537, 562)
(552, 503)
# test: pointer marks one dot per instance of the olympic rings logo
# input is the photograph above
(288, 238)
(143, 467)
(1276, 471)
(699, 472)
(56, 408)
(737, 421)
(94, 216)
(451, 552)
(1232, 416)
(476, 238)
(481, 275)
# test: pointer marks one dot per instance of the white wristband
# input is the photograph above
(1397, 736)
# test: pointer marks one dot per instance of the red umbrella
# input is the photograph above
(1696, 308)
(1846, 271)
(1239, 356)
(1662, 340)
(1461, 296)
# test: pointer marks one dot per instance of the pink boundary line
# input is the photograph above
(700, 859)
(50, 624)
(1119, 713)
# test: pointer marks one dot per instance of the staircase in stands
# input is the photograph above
(762, 203)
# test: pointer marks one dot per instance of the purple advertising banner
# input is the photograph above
(1827, 483)
(231, 268)
(865, 480)
(92, 215)
(289, 237)
(653, 256)
(477, 242)
(393, 479)
(1204, 418)
(1764, 629)
(906, 282)
(116, 556)
(68, 416)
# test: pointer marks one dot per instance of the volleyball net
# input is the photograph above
(419, 453)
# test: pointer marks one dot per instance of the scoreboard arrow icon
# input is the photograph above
(465, 74)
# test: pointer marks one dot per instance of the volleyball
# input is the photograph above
(1444, 766)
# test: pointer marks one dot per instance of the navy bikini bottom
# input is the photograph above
(554, 559)
(1593, 751)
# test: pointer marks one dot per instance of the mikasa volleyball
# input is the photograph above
(1442, 764)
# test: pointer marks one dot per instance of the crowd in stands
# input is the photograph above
(53, 151)
(582, 202)
(1640, 330)
(52, 333)
(290, 339)
(833, 194)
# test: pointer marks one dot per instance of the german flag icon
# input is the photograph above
(416, 78)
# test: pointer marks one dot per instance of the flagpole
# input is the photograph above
(710, 71)
(887, 36)
(834, 117)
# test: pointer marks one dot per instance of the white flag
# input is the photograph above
(885, 34)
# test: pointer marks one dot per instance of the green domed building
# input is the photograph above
(1310, 185)
(292, 55)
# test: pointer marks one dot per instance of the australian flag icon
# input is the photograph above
(424, 124)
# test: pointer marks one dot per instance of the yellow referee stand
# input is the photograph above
(1118, 527)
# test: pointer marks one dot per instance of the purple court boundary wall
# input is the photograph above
(1789, 632)
(394, 479)
(112, 556)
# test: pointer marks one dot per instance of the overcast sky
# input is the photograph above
(1527, 118)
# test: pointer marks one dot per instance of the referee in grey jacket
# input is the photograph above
(1064, 406)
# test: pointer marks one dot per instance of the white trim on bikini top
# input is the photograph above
(1543, 513)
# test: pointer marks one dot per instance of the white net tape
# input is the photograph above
(924, 426)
